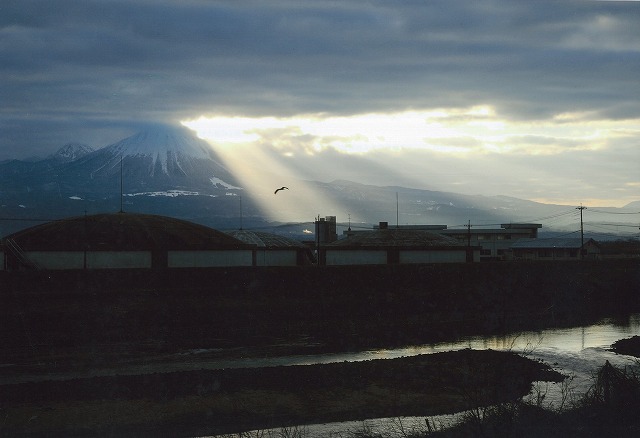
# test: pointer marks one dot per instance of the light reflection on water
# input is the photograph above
(564, 341)
(575, 352)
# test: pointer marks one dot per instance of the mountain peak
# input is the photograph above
(71, 152)
(161, 141)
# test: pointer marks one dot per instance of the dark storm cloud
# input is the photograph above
(67, 67)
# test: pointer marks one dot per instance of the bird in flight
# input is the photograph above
(281, 188)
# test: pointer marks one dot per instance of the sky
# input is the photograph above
(536, 100)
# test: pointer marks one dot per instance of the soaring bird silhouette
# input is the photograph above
(281, 188)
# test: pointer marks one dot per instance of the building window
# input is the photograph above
(485, 252)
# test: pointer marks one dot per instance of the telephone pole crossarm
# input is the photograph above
(581, 208)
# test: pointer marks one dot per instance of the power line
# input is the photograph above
(613, 212)
(557, 236)
(612, 225)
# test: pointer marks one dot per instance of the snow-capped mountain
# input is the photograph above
(162, 158)
(164, 170)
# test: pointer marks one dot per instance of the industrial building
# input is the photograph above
(385, 245)
(494, 242)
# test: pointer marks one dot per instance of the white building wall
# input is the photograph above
(206, 259)
(95, 259)
(426, 256)
(118, 259)
(356, 257)
(276, 258)
(57, 259)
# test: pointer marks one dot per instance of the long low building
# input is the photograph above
(386, 245)
(494, 243)
(561, 248)
(123, 240)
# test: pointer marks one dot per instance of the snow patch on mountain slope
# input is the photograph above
(217, 181)
(169, 194)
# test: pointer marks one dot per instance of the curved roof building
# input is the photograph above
(124, 240)
(122, 232)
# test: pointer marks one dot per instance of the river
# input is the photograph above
(575, 352)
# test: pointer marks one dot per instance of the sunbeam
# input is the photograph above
(260, 171)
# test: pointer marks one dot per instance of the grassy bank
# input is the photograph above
(302, 310)
(233, 400)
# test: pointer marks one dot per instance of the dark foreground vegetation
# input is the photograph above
(304, 309)
(611, 408)
(67, 325)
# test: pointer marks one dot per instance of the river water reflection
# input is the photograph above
(560, 342)
(575, 352)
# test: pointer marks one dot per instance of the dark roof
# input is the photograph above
(265, 240)
(560, 242)
(387, 238)
(123, 232)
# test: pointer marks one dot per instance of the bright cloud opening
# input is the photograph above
(440, 130)
(414, 148)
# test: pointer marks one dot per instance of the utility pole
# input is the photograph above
(121, 186)
(469, 250)
(318, 240)
(581, 231)
(397, 214)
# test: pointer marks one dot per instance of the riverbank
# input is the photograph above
(234, 400)
(609, 408)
